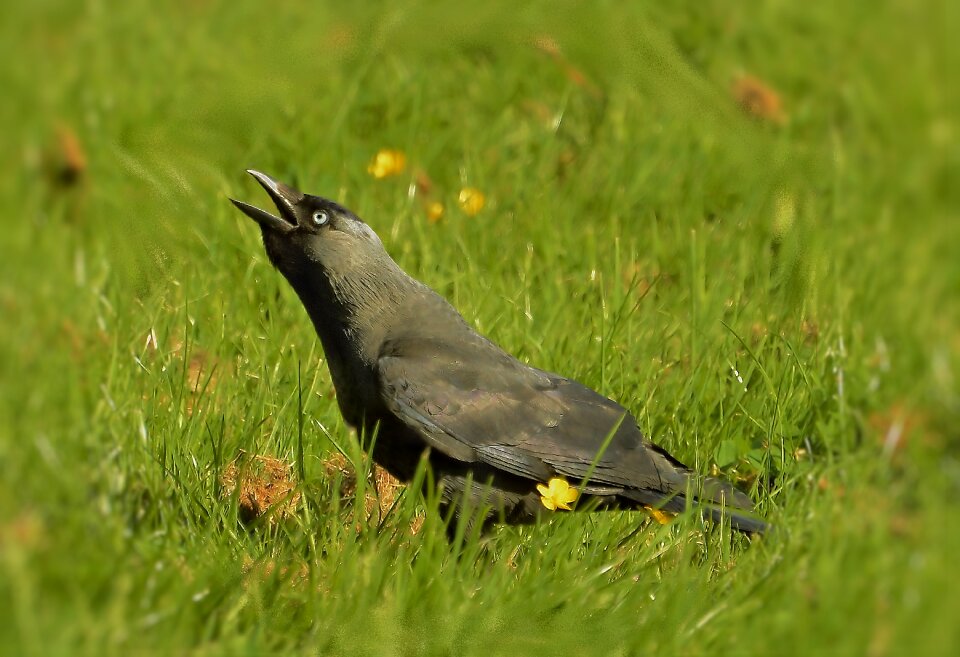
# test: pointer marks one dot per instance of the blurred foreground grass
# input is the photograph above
(739, 222)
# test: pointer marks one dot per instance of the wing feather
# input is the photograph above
(477, 404)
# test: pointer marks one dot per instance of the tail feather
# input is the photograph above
(720, 499)
(737, 518)
(715, 499)
(723, 493)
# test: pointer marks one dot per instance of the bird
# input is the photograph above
(502, 436)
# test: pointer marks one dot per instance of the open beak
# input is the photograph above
(283, 196)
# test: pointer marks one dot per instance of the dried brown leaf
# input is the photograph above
(756, 98)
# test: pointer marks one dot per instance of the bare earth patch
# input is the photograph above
(263, 485)
(380, 500)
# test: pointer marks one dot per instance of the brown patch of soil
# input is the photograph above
(263, 485)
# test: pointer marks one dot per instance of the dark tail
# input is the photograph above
(715, 499)
(738, 519)
(718, 499)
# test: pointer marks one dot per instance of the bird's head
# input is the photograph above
(311, 235)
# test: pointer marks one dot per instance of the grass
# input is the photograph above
(776, 298)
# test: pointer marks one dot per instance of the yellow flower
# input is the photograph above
(557, 494)
(662, 517)
(471, 200)
(434, 211)
(387, 163)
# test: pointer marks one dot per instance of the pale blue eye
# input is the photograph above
(320, 218)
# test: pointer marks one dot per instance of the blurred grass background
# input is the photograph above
(739, 221)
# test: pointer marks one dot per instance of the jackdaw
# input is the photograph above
(499, 434)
